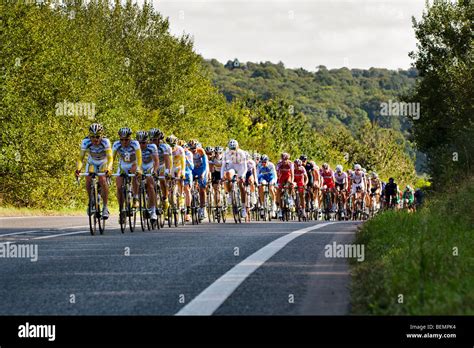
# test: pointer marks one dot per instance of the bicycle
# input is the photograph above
(160, 222)
(309, 199)
(248, 203)
(340, 214)
(126, 210)
(300, 210)
(267, 204)
(235, 198)
(359, 205)
(285, 202)
(210, 199)
(195, 201)
(373, 204)
(95, 205)
(143, 205)
(174, 198)
(220, 209)
(327, 204)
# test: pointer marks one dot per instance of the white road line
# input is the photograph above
(215, 294)
(42, 230)
(61, 234)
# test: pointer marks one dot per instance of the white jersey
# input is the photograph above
(340, 179)
(357, 179)
(251, 165)
(234, 159)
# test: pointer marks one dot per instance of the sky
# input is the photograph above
(299, 33)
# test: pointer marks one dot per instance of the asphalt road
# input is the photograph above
(222, 269)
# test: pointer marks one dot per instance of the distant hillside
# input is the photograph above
(350, 97)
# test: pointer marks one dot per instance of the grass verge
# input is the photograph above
(421, 263)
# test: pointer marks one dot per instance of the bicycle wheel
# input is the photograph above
(92, 211)
(100, 220)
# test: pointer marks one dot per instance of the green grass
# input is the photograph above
(66, 211)
(412, 255)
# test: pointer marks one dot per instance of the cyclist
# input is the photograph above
(179, 166)
(318, 183)
(215, 165)
(409, 197)
(256, 157)
(165, 159)
(266, 174)
(418, 195)
(234, 163)
(285, 175)
(209, 150)
(188, 177)
(200, 170)
(328, 183)
(150, 164)
(382, 193)
(251, 178)
(358, 184)
(375, 188)
(367, 187)
(99, 160)
(391, 193)
(341, 181)
(310, 171)
(301, 180)
(130, 162)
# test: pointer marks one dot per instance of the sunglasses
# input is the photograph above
(143, 142)
(124, 139)
(95, 137)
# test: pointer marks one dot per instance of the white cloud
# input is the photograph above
(362, 33)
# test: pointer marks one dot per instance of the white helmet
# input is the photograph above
(374, 175)
(338, 168)
(233, 144)
(357, 166)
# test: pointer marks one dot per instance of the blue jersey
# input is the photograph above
(95, 152)
(148, 153)
(128, 154)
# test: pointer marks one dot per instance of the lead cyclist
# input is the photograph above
(99, 160)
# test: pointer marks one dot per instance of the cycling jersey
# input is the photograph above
(251, 165)
(391, 189)
(129, 155)
(148, 153)
(375, 184)
(309, 171)
(267, 173)
(147, 158)
(285, 169)
(216, 163)
(188, 176)
(200, 166)
(179, 159)
(299, 173)
(409, 194)
(357, 182)
(163, 150)
(234, 160)
(99, 157)
(328, 178)
(340, 178)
